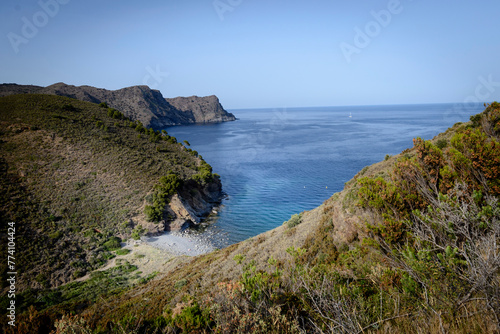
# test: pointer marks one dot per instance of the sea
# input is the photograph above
(276, 162)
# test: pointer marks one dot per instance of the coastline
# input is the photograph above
(180, 243)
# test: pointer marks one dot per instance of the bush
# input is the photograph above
(441, 143)
(69, 107)
(295, 220)
(113, 113)
(122, 251)
(191, 317)
(113, 243)
(103, 105)
(179, 284)
(153, 213)
(137, 232)
(56, 235)
(167, 186)
(140, 128)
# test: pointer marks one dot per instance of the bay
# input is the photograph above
(277, 162)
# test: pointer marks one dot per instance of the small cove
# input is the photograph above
(277, 162)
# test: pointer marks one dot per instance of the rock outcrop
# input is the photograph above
(193, 203)
(137, 103)
(202, 109)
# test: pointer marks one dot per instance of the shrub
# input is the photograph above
(103, 105)
(122, 251)
(153, 213)
(190, 317)
(113, 243)
(140, 128)
(441, 143)
(167, 186)
(204, 174)
(137, 232)
(56, 235)
(295, 220)
(180, 283)
(69, 107)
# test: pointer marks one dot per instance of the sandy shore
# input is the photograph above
(180, 243)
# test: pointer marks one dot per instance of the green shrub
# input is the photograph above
(167, 186)
(113, 243)
(113, 113)
(140, 128)
(193, 318)
(69, 107)
(56, 235)
(122, 251)
(137, 232)
(295, 220)
(179, 284)
(441, 143)
(153, 213)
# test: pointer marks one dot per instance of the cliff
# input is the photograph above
(202, 109)
(138, 103)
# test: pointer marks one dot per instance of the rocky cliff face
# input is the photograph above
(138, 103)
(193, 203)
(202, 109)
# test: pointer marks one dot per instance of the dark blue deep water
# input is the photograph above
(277, 162)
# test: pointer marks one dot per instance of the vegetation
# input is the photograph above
(294, 221)
(167, 186)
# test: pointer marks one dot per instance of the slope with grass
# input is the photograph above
(410, 245)
(78, 178)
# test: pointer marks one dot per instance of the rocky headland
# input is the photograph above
(139, 103)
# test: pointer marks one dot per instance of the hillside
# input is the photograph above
(78, 177)
(410, 245)
(137, 103)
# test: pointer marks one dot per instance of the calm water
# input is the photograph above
(277, 162)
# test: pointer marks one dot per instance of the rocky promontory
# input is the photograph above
(137, 103)
(202, 109)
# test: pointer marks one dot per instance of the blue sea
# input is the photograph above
(277, 162)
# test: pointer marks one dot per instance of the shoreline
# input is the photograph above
(180, 243)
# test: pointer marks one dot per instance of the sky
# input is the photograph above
(260, 53)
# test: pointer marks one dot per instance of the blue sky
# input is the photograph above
(256, 53)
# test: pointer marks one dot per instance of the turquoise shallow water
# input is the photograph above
(277, 162)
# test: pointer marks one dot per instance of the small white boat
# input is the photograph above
(350, 115)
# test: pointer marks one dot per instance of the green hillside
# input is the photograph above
(76, 178)
(411, 245)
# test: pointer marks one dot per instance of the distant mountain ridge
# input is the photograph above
(138, 103)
